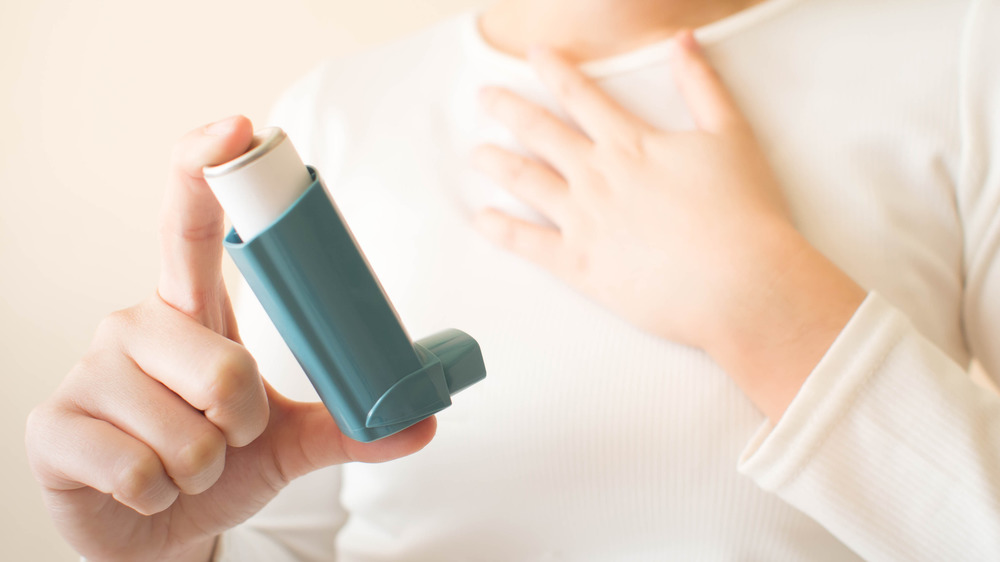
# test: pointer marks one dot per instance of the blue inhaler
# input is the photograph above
(299, 257)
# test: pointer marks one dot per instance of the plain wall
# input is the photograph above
(92, 96)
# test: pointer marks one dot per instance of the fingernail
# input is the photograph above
(222, 127)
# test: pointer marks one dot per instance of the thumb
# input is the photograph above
(192, 223)
(307, 438)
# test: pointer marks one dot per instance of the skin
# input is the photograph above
(741, 284)
(148, 453)
(685, 234)
(145, 453)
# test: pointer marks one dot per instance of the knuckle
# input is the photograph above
(231, 377)
(139, 482)
(632, 145)
(36, 430)
(518, 168)
(532, 120)
(36, 420)
(207, 230)
(199, 455)
(626, 147)
(95, 361)
(115, 325)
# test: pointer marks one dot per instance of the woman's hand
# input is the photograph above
(165, 434)
(685, 234)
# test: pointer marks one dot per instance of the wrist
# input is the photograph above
(781, 316)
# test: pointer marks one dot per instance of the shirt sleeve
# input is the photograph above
(889, 444)
(301, 523)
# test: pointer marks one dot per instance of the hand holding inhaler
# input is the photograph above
(301, 260)
(165, 434)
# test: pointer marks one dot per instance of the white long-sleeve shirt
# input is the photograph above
(591, 440)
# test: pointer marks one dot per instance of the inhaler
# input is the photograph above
(299, 257)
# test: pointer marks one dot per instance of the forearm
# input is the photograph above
(780, 316)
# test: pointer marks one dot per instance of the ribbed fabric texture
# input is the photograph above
(878, 447)
(590, 440)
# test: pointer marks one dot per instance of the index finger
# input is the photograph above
(708, 99)
(596, 112)
(192, 223)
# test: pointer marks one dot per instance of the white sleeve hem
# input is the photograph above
(888, 438)
(777, 452)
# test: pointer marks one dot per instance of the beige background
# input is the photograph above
(92, 96)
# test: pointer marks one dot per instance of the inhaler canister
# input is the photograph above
(299, 257)
(258, 186)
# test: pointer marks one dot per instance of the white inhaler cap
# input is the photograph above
(256, 188)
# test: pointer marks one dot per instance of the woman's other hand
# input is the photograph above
(684, 233)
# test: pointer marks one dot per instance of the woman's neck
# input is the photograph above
(593, 29)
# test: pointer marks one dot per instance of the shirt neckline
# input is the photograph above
(632, 60)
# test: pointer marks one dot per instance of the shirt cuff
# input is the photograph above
(777, 452)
